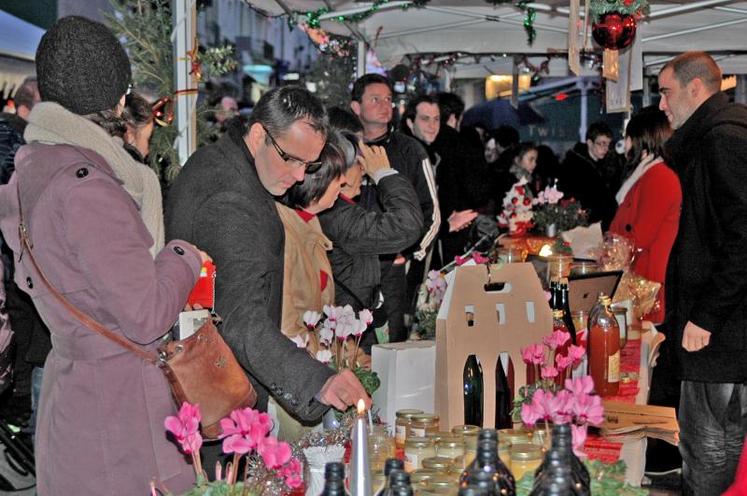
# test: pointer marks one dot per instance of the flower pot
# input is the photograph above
(551, 230)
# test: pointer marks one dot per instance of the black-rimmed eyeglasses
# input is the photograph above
(309, 167)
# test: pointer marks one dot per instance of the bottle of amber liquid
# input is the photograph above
(604, 348)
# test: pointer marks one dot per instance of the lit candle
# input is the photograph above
(360, 472)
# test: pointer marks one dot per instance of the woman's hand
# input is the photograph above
(374, 159)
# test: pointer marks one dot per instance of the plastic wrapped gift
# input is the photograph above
(641, 291)
(615, 253)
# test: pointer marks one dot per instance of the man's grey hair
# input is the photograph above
(692, 65)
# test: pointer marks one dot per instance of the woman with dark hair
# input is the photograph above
(139, 124)
(522, 167)
(649, 199)
(93, 218)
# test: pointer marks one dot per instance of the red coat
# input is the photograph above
(650, 216)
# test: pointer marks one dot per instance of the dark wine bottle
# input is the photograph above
(556, 480)
(334, 479)
(472, 491)
(390, 465)
(503, 397)
(565, 305)
(473, 392)
(562, 441)
(554, 295)
(487, 460)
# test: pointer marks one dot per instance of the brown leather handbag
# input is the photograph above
(201, 369)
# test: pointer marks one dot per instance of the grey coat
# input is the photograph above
(100, 421)
(218, 203)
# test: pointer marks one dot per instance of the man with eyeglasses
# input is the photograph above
(223, 199)
(372, 103)
(591, 174)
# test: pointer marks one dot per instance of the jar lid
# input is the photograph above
(515, 435)
(525, 451)
(407, 413)
(451, 442)
(422, 474)
(425, 417)
(440, 463)
(440, 481)
(419, 442)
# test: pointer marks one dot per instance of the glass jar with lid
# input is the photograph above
(450, 447)
(466, 430)
(423, 424)
(470, 448)
(402, 426)
(416, 450)
(440, 464)
(422, 475)
(516, 436)
(444, 484)
(504, 452)
(525, 458)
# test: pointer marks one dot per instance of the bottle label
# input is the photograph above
(411, 462)
(613, 370)
(417, 432)
(400, 434)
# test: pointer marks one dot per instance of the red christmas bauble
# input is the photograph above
(614, 30)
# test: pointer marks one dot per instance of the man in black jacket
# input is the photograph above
(372, 103)
(224, 201)
(586, 171)
(706, 276)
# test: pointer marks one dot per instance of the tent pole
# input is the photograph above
(183, 37)
(360, 66)
(699, 29)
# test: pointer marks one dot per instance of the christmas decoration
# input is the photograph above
(145, 28)
(614, 31)
(332, 76)
(637, 8)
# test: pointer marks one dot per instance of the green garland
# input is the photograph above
(638, 8)
(606, 480)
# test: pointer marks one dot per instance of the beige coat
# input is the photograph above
(305, 256)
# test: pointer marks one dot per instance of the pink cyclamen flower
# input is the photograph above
(324, 356)
(539, 408)
(292, 473)
(366, 316)
(562, 362)
(459, 261)
(580, 385)
(549, 372)
(311, 318)
(330, 312)
(327, 332)
(185, 427)
(588, 409)
(301, 340)
(578, 433)
(244, 430)
(479, 259)
(561, 407)
(576, 354)
(557, 339)
(533, 354)
(273, 452)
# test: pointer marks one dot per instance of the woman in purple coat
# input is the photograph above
(94, 219)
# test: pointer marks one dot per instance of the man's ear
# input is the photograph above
(254, 137)
(695, 88)
(410, 124)
(356, 108)
(589, 143)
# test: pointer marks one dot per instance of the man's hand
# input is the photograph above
(460, 220)
(342, 390)
(695, 338)
(374, 159)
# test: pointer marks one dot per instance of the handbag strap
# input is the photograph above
(85, 319)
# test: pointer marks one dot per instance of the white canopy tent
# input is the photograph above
(18, 42)
(476, 27)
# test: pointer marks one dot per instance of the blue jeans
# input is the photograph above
(712, 418)
(36, 383)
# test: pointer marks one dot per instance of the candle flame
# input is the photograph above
(361, 406)
(545, 251)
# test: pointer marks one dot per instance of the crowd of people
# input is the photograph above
(303, 207)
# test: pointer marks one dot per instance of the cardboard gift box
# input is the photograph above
(486, 310)
(407, 372)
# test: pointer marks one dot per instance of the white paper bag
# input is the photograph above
(407, 372)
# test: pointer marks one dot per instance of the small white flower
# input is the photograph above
(324, 356)
(301, 340)
(311, 318)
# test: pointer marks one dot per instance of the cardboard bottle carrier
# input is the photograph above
(486, 310)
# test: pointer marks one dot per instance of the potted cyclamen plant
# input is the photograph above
(551, 395)
(269, 467)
